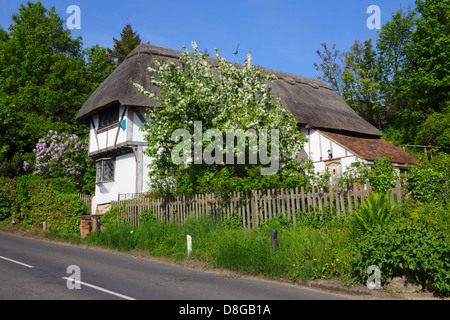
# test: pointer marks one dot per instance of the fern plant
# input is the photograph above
(375, 210)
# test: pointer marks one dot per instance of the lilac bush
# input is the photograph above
(61, 155)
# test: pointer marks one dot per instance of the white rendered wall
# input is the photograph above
(146, 179)
(317, 148)
(124, 180)
(106, 137)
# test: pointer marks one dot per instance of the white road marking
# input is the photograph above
(99, 288)
(15, 261)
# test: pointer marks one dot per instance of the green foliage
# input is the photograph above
(60, 155)
(303, 252)
(279, 223)
(112, 216)
(431, 215)
(54, 201)
(45, 77)
(119, 236)
(428, 84)
(326, 218)
(233, 222)
(361, 90)
(401, 85)
(7, 197)
(405, 249)
(235, 101)
(146, 216)
(393, 43)
(428, 180)
(129, 40)
(435, 131)
(23, 187)
(381, 175)
(11, 167)
(226, 179)
(331, 67)
(427, 184)
(157, 238)
(376, 210)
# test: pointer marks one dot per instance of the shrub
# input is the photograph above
(60, 155)
(429, 180)
(7, 197)
(381, 176)
(23, 187)
(376, 210)
(428, 185)
(431, 215)
(405, 249)
(54, 201)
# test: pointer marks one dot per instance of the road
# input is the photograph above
(38, 269)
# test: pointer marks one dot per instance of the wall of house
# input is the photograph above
(124, 180)
(101, 138)
(135, 123)
(130, 171)
(126, 130)
(145, 173)
(318, 148)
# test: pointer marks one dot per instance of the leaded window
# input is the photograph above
(105, 170)
(108, 117)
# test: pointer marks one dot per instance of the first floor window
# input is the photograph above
(105, 170)
(108, 117)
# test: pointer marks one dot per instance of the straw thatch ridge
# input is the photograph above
(311, 101)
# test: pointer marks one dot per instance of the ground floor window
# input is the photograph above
(105, 170)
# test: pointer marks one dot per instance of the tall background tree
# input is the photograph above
(402, 84)
(129, 40)
(45, 77)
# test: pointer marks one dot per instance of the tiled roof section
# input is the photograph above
(370, 148)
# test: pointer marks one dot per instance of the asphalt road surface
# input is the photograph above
(32, 269)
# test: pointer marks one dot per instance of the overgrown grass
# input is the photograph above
(303, 252)
(318, 246)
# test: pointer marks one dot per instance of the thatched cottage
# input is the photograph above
(337, 136)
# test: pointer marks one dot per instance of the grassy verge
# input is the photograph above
(414, 241)
(303, 252)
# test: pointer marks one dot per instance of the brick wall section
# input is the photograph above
(89, 223)
(85, 225)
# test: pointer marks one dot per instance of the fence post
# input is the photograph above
(254, 207)
(247, 205)
(399, 193)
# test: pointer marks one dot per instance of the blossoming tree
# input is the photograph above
(61, 155)
(225, 97)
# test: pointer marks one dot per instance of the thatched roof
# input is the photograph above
(312, 102)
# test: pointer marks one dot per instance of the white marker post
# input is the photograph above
(189, 244)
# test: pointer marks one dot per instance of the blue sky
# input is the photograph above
(282, 35)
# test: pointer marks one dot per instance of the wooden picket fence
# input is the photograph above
(87, 200)
(256, 207)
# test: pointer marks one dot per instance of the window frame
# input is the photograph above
(108, 117)
(100, 174)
